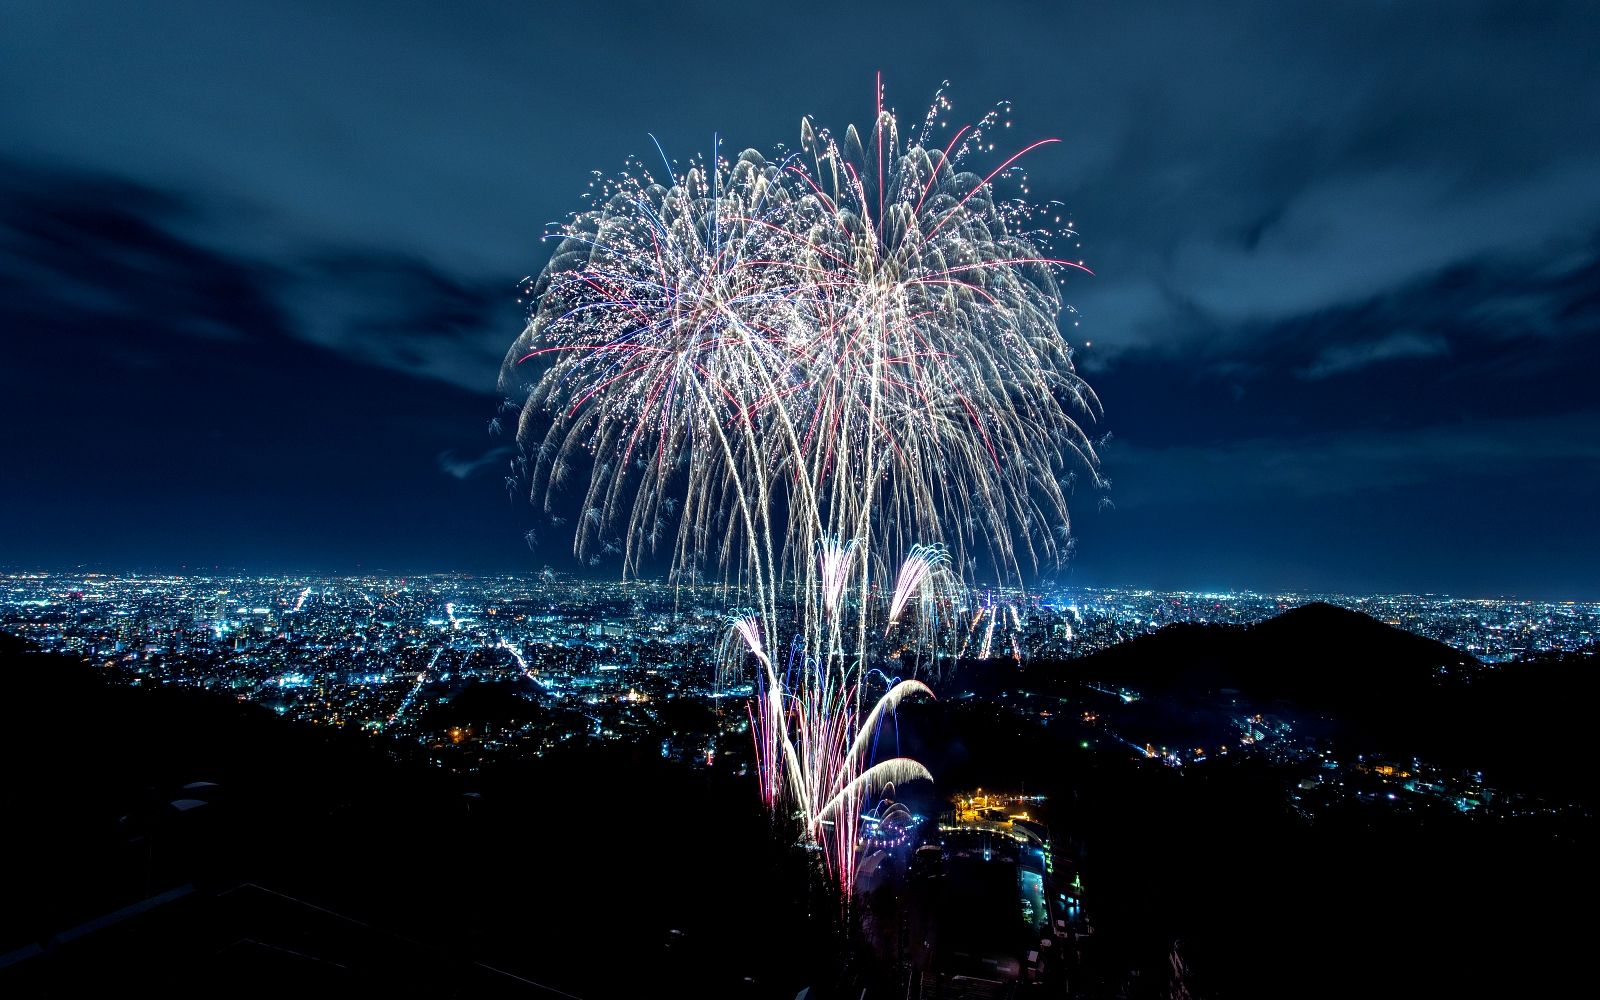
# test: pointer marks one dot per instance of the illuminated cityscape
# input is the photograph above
(359, 651)
(562, 662)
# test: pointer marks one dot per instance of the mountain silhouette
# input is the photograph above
(1318, 655)
(1381, 688)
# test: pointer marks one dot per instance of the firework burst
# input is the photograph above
(795, 371)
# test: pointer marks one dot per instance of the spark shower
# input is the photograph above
(833, 378)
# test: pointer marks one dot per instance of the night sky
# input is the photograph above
(258, 266)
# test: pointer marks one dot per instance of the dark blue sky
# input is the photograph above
(258, 265)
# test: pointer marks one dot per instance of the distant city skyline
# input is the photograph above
(598, 577)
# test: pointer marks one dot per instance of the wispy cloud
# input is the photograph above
(401, 312)
(465, 468)
(109, 251)
(1338, 359)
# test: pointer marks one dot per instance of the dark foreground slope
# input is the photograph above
(258, 856)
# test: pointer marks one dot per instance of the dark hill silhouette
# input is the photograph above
(11, 645)
(479, 701)
(1319, 655)
(1384, 689)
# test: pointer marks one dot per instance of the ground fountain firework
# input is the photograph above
(835, 378)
